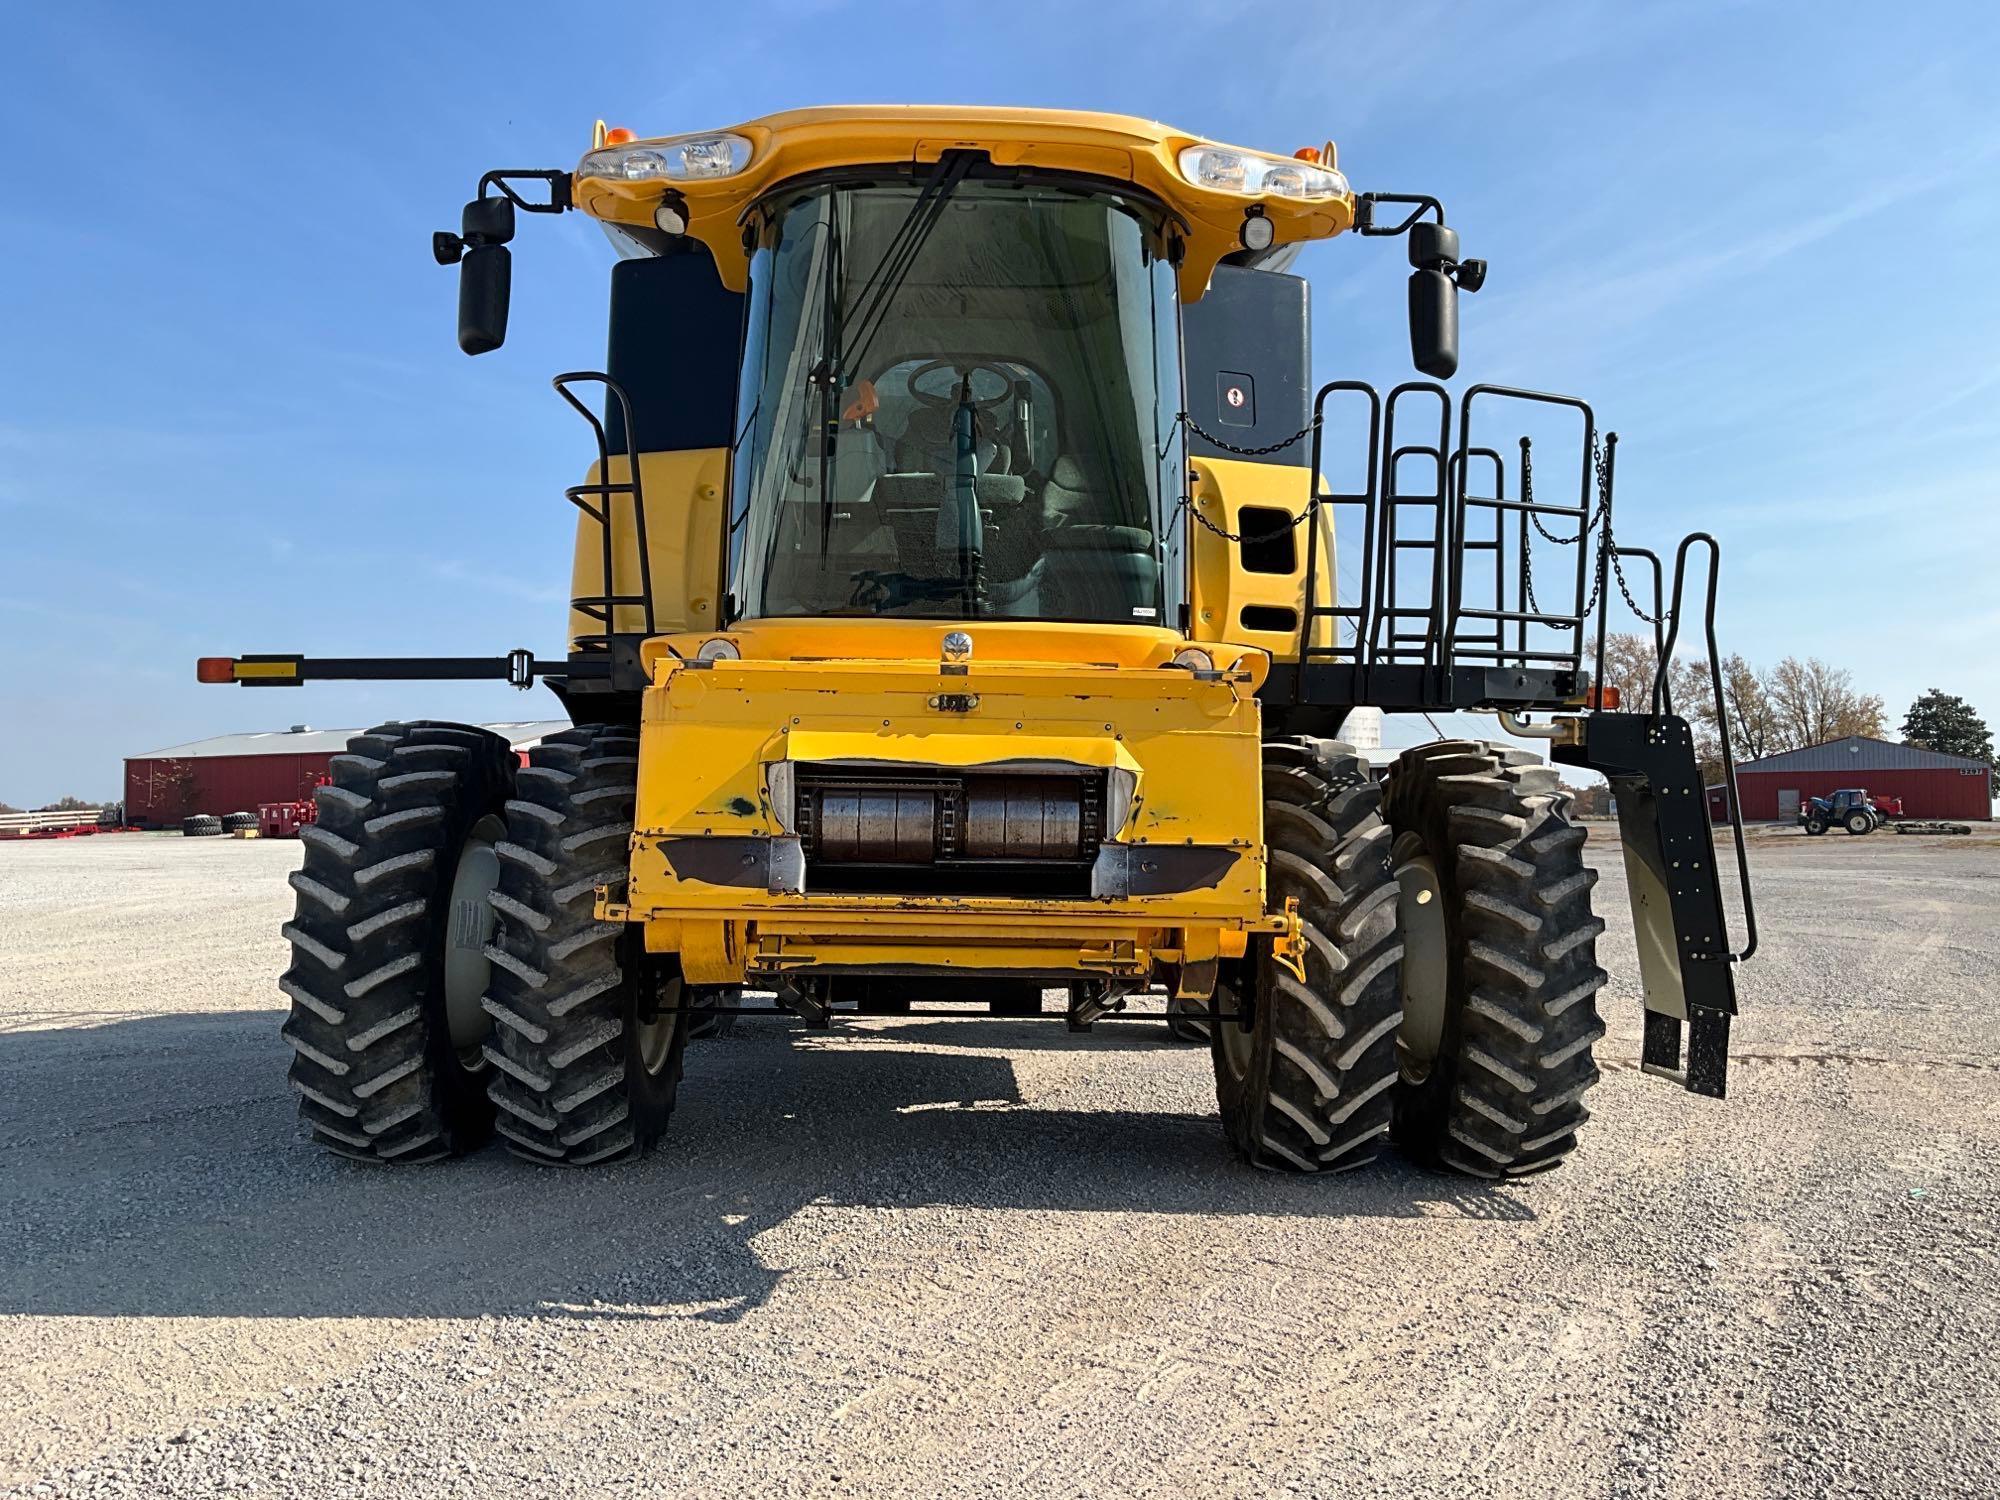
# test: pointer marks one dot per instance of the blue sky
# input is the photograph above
(1761, 239)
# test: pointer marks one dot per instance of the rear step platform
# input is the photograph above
(1685, 964)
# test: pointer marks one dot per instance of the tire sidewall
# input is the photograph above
(650, 1095)
(1241, 1100)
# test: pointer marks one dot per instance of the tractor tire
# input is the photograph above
(1859, 823)
(386, 970)
(201, 826)
(236, 822)
(1306, 1085)
(1496, 1047)
(703, 1028)
(587, 1041)
(1815, 826)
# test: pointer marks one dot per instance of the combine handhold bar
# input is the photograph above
(517, 668)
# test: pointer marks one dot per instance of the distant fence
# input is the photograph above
(38, 822)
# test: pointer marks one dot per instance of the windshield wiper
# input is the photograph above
(901, 255)
(883, 282)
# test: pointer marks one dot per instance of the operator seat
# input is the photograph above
(926, 444)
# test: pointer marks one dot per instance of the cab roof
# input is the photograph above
(804, 142)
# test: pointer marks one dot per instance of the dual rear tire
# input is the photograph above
(449, 977)
(1448, 993)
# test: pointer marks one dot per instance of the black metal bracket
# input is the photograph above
(489, 218)
(1433, 247)
(1419, 204)
(502, 180)
(1685, 961)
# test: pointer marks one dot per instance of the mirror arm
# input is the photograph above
(1418, 203)
(1434, 250)
(502, 179)
(449, 249)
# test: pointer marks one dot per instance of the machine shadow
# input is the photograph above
(152, 1168)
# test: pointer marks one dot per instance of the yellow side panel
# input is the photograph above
(1224, 589)
(684, 493)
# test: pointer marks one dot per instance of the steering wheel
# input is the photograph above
(925, 398)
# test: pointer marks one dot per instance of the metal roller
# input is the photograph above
(874, 825)
(1023, 817)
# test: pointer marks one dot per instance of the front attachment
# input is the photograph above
(1685, 964)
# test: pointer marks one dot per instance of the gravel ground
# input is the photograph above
(940, 1258)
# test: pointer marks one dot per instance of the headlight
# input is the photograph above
(1194, 658)
(718, 648)
(684, 159)
(1254, 175)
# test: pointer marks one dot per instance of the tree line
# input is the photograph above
(1797, 703)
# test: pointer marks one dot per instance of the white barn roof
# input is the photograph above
(522, 735)
(1858, 752)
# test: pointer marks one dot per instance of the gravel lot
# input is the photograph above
(936, 1257)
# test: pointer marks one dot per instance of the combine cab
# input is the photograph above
(961, 614)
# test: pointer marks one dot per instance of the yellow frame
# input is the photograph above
(801, 142)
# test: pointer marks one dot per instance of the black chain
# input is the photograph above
(1312, 506)
(1600, 461)
(1187, 501)
(1228, 447)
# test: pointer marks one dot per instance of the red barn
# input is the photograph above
(235, 772)
(1931, 785)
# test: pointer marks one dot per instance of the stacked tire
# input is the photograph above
(238, 822)
(201, 826)
(388, 962)
(1498, 1030)
(1444, 992)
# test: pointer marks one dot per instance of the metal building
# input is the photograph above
(1931, 785)
(235, 772)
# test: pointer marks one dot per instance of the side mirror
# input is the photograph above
(487, 221)
(1434, 323)
(485, 271)
(1434, 288)
(485, 278)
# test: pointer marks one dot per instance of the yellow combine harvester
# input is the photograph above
(955, 620)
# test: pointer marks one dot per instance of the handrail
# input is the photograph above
(1722, 722)
(1320, 499)
(611, 600)
(1662, 698)
(1573, 623)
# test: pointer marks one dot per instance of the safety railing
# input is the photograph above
(1446, 576)
(598, 500)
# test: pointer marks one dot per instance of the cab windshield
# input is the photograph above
(960, 400)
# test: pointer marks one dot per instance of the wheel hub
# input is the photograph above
(1238, 1031)
(469, 928)
(656, 1019)
(1420, 916)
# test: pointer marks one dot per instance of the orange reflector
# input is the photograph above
(1605, 698)
(215, 669)
(618, 135)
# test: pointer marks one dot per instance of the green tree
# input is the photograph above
(1945, 722)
